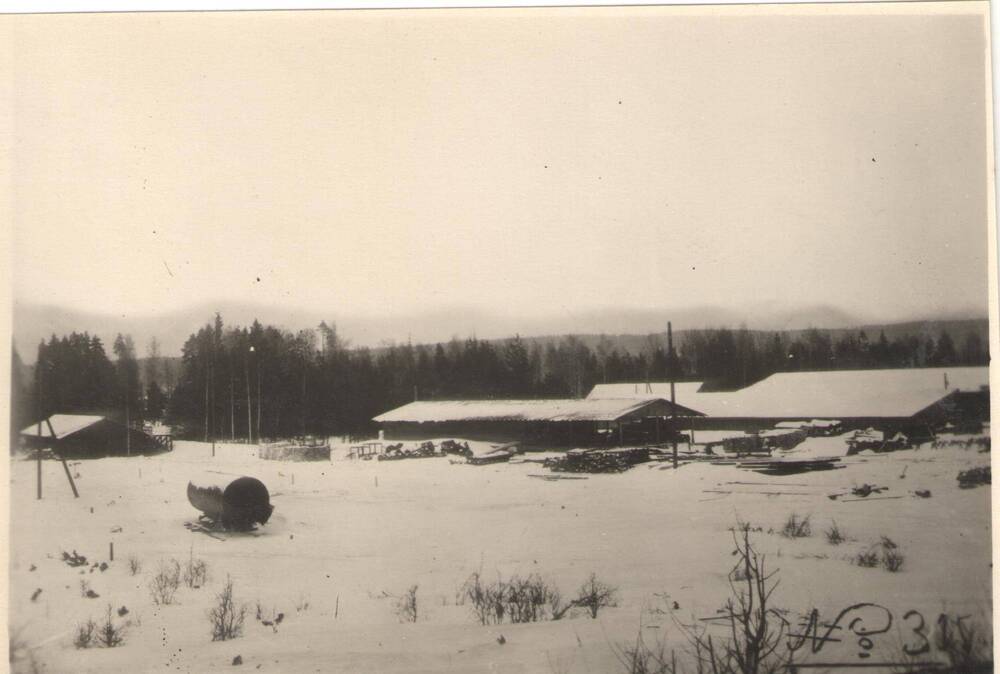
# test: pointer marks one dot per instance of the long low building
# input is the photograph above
(891, 398)
(913, 400)
(563, 421)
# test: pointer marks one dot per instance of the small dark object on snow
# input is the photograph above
(92, 595)
(238, 660)
(677, 607)
(103, 567)
(33, 567)
(867, 489)
(122, 612)
(923, 493)
(281, 616)
(244, 503)
(74, 559)
(967, 479)
(501, 640)
(34, 595)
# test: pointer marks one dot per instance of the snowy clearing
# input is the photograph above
(347, 538)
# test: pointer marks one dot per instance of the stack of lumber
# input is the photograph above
(599, 460)
(789, 466)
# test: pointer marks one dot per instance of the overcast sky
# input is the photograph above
(537, 162)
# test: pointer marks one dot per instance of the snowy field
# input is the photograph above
(348, 537)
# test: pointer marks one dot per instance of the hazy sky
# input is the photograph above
(538, 161)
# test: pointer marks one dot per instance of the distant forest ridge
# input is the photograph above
(260, 381)
(635, 344)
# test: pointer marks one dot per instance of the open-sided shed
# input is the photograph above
(84, 436)
(563, 421)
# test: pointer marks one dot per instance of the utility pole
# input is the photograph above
(128, 427)
(673, 400)
(246, 375)
(38, 412)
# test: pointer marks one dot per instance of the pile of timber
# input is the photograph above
(455, 447)
(789, 466)
(782, 438)
(599, 460)
(876, 441)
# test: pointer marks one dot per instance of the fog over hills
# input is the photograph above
(34, 322)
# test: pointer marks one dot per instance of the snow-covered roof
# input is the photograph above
(643, 390)
(437, 411)
(840, 394)
(62, 425)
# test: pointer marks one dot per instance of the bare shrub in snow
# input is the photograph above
(84, 635)
(110, 634)
(195, 572)
(595, 594)
(796, 527)
(134, 565)
(834, 536)
(892, 557)
(164, 584)
(867, 558)
(226, 616)
(515, 600)
(756, 643)
(406, 605)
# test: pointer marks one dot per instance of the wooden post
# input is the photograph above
(69, 477)
(111, 550)
(673, 400)
(38, 457)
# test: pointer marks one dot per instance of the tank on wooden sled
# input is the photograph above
(240, 506)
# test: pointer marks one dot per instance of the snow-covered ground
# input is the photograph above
(348, 536)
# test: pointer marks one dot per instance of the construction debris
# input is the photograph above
(74, 559)
(866, 489)
(397, 452)
(497, 454)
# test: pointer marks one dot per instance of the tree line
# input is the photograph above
(262, 382)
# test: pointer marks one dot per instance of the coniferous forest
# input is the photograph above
(240, 383)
